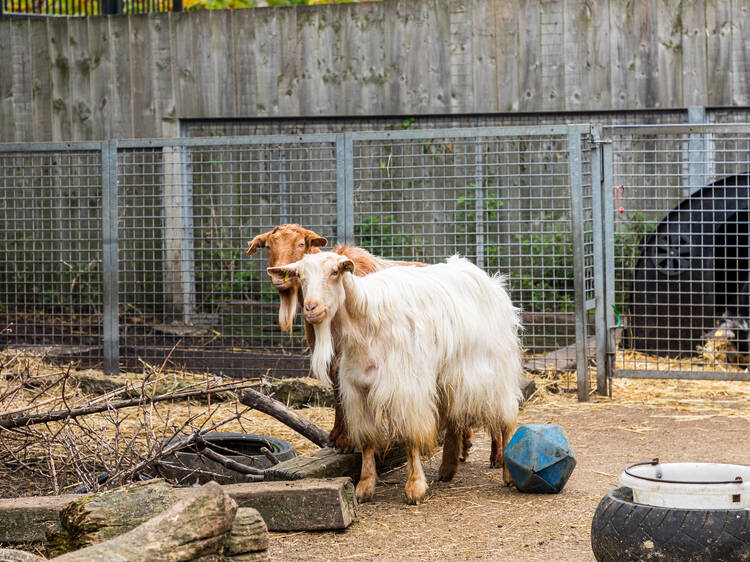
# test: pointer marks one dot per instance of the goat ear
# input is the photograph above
(314, 240)
(257, 242)
(347, 265)
(283, 270)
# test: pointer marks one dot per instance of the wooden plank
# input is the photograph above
(372, 56)
(483, 62)
(587, 77)
(740, 53)
(694, 62)
(267, 64)
(7, 116)
(165, 117)
(551, 46)
(41, 105)
(304, 505)
(461, 75)
(396, 47)
(80, 85)
(438, 57)
(301, 505)
(243, 51)
(183, 62)
(101, 77)
(327, 463)
(667, 42)
(220, 53)
(288, 100)
(507, 56)
(529, 57)
(144, 108)
(310, 80)
(718, 17)
(624, 53)
(57, 31)
(25, 520)
(120, 115)
(338, 61)
(21, 81)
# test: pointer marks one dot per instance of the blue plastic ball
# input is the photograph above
(539, 458)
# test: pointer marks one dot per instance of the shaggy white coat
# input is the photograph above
(419, 346)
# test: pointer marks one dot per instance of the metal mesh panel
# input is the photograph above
(50, 252)
(186, 215)
(681, 251)
(502, 201)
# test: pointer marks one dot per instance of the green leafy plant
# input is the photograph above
(377, 234)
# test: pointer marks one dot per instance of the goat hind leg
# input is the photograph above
(465, 444)
(508, 431)
(451, 453)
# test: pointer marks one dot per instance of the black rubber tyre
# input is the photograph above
(624, 530)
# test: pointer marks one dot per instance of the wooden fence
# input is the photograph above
(138, 76)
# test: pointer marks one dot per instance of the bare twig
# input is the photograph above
(270, 456)
(226, 461)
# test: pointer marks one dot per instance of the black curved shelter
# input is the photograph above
(692, 271)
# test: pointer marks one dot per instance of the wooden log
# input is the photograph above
(277, 410)
(11, 555)
(94, 519)
(249, 533)
(297, 392)
(25, 520)
(198, 525)
(303, 505)
(327, 463)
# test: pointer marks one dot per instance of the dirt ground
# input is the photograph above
(475, 518)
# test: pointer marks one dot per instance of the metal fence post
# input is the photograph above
(697, 146)
(479, 201)
(608, 247)
(110, 266)
(579, 285)
(344, 188)
(598, 187)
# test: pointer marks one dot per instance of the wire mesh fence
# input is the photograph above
(679, 240)
(119, 253)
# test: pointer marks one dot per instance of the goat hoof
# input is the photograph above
(446, 475)
(364, 491)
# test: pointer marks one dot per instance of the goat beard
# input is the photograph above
(287, 309)
(323, 352)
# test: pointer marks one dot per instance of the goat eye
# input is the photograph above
(334, 273)
(301, 244)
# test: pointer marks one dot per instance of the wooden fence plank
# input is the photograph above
(267, 64)
(461, 75)
(396, 47)
(668, 72)
(101, 77)
(551, 48)
(438, 58)
(120, 115)
(57, 30)
(7, 114)
(483, 62)
(529, 57)
(740, 74)
(310, 80)
(220, 53)
(145, 118)
(21, 84)
(163, 91)
(288, 100)
(41, 104)
(80, 85)
(694, 61)
(586, 56)
(372, 58)
(624, 43)
(718, 54)
(243, 51)
(506, 48)
(183, 60)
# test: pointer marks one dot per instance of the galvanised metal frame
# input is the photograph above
(694, 148)
(576, 164)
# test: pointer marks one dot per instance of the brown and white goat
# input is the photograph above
(287, 244)
(419, 348)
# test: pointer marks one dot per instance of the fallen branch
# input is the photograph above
(270, 456)
(10, 422)
(276, 409)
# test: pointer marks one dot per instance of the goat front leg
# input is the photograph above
(416, 484)
(368, 476)
(500, 440)
(339, 435)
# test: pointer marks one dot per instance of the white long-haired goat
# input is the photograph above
(420, 348)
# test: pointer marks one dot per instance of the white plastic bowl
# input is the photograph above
(689, 485)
